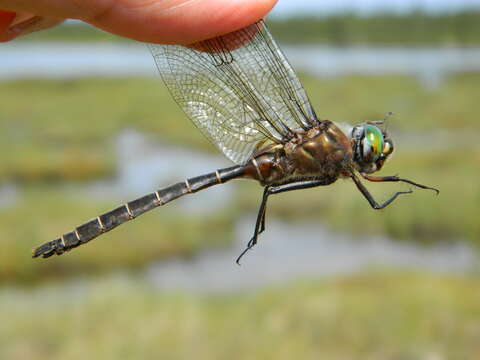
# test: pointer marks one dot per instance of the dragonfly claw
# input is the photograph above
(251, 243)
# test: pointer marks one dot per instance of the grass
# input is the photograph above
(58, 134)
(54, 130)
(62, 129)
(45, 212)
(47, 143)
(422, 216)
(375, 315)
(355, 99)
(460, 28)
(412, 28)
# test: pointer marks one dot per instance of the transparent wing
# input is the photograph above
(238, 89)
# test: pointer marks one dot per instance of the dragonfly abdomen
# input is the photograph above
(110, 220)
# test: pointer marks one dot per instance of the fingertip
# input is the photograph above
(237, 15)
(219, 18)
(213, 18)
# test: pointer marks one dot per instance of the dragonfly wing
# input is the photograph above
(238, 89)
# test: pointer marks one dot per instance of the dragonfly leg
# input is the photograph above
(259, 224)
(396, 179)
(271, 190)
(262, 223)
(370, 198)
(262, 226)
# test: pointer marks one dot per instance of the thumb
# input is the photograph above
(180, 21)
(158, 21)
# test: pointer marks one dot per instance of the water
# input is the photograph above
(429, 64)
(71, 60)
(286, 251)
(145, 166)
(8, 195)
(296, 250)
(65, 60)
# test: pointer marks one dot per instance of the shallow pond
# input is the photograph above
(63, 60)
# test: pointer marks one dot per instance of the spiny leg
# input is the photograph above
(262, 224)
(271, 190)
(370, 198)
(396, 179)
(259, 224)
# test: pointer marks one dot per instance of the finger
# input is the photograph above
(159, 21)
(181, 21)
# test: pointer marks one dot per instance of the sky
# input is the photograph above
(290, 7)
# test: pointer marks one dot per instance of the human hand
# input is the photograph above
(157, 21)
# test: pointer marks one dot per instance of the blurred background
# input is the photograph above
(86, 124)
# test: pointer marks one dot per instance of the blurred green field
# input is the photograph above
(375, 315)
(57, 134)
(63, 129)
(421, 216)
(44, 212)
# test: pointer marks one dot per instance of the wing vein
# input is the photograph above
(238, 89)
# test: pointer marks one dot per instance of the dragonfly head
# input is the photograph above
(371, 147)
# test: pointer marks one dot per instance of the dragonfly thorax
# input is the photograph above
(322, 152)
(371, 147)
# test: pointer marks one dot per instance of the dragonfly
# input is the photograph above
(241, 92)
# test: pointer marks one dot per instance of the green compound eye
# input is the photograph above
(373, 142)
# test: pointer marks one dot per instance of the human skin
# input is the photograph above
(156, 21)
